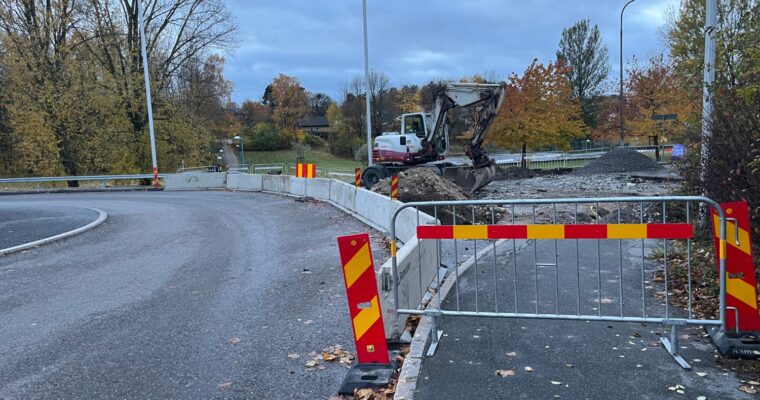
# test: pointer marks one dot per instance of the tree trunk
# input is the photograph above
(523, 162)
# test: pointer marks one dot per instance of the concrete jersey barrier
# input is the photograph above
(371, 208)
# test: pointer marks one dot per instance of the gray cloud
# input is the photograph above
(413, 41)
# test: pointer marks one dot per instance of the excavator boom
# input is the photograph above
(488, 98)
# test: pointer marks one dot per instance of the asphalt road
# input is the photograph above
(182, 295)
(567, 359)
(21, 224)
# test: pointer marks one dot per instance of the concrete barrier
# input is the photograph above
(343, 194)
(199, 181)
(276, 183)
(375, 207)
(377, 210)
(413, 282)
(245, 182)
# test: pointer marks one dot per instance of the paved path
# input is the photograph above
(149, 304)
(569, 359)
(21, 223)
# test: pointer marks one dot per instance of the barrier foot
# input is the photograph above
(364, 376)
(736, 344)
(435, 335)
(671, 345)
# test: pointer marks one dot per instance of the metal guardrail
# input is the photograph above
(603, 270)
(78, 178)
(207, 168)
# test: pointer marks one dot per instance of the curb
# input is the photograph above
(102, 216)
(410, 371)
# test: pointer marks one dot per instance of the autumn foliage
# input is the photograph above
(538, 110)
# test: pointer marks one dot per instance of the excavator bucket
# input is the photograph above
(470, 179)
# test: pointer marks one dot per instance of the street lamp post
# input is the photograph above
(366, 82)
(622, 101)
(242, 149)
(148, 100)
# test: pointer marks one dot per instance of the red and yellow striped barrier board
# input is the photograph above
(394, 187)
(741, 284)
(358, 176)
(306, 170)
(363, 299)
(548, 231)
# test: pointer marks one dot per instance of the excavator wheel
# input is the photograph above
(373, 174)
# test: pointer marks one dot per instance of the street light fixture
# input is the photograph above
(622, 101)
(242, 150)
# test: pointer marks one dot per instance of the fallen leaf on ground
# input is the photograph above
(505, 372)
(753, 383)
(701, 398)
(364, 394)
(556, 383)
(569, 365)
(528, 369)
(234, 340)
(329, 357)
(702, 374)
(225, 385)
(311, 363)
(512, 354)
(748, 389)
(293, 356)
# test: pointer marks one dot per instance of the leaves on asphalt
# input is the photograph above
(234, 340)
(748, 389)
(702, 374)
(293, 356)
(225, 385)
(505, 372)
(512, 354)
(528, 369)
(556, 382)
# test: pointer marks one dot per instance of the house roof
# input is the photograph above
(314, 122)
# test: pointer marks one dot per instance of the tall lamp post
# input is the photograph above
(242, 150)
(366, 82)
(622, 101)
(148, 100)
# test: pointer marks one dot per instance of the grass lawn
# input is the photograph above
(322, 159)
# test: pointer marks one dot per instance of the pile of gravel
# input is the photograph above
(421, 184)
(620, 160)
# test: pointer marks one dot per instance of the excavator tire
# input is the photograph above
(373, 174)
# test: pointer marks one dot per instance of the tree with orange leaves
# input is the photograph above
(538, 110)
(655, 90)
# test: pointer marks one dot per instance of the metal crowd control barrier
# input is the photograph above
(582, 259)
(267, 168)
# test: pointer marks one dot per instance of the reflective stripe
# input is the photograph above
(357, 265)
(366, 318)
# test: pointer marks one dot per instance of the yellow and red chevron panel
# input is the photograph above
(306, 170)
(741, 284)
(394, 187)
(358, 176)
(557, 231)
(363, 299)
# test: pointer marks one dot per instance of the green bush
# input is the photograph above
(266, 137)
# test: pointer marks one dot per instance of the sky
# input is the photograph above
(415, 41)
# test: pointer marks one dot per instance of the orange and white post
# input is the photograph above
(363, 299)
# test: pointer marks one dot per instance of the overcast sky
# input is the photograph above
(415, 41)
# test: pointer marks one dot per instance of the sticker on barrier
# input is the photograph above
(621, 259)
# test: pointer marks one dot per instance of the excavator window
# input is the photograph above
(414, 124)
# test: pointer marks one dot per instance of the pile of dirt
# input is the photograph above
(421, 184)
(620, 160)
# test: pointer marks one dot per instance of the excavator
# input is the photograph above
(424, 138)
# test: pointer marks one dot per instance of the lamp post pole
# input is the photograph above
(622, 101)
(366, 82)
(148, 100)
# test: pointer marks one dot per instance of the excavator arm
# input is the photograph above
(488, 98)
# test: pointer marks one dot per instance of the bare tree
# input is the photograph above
(178, 31)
